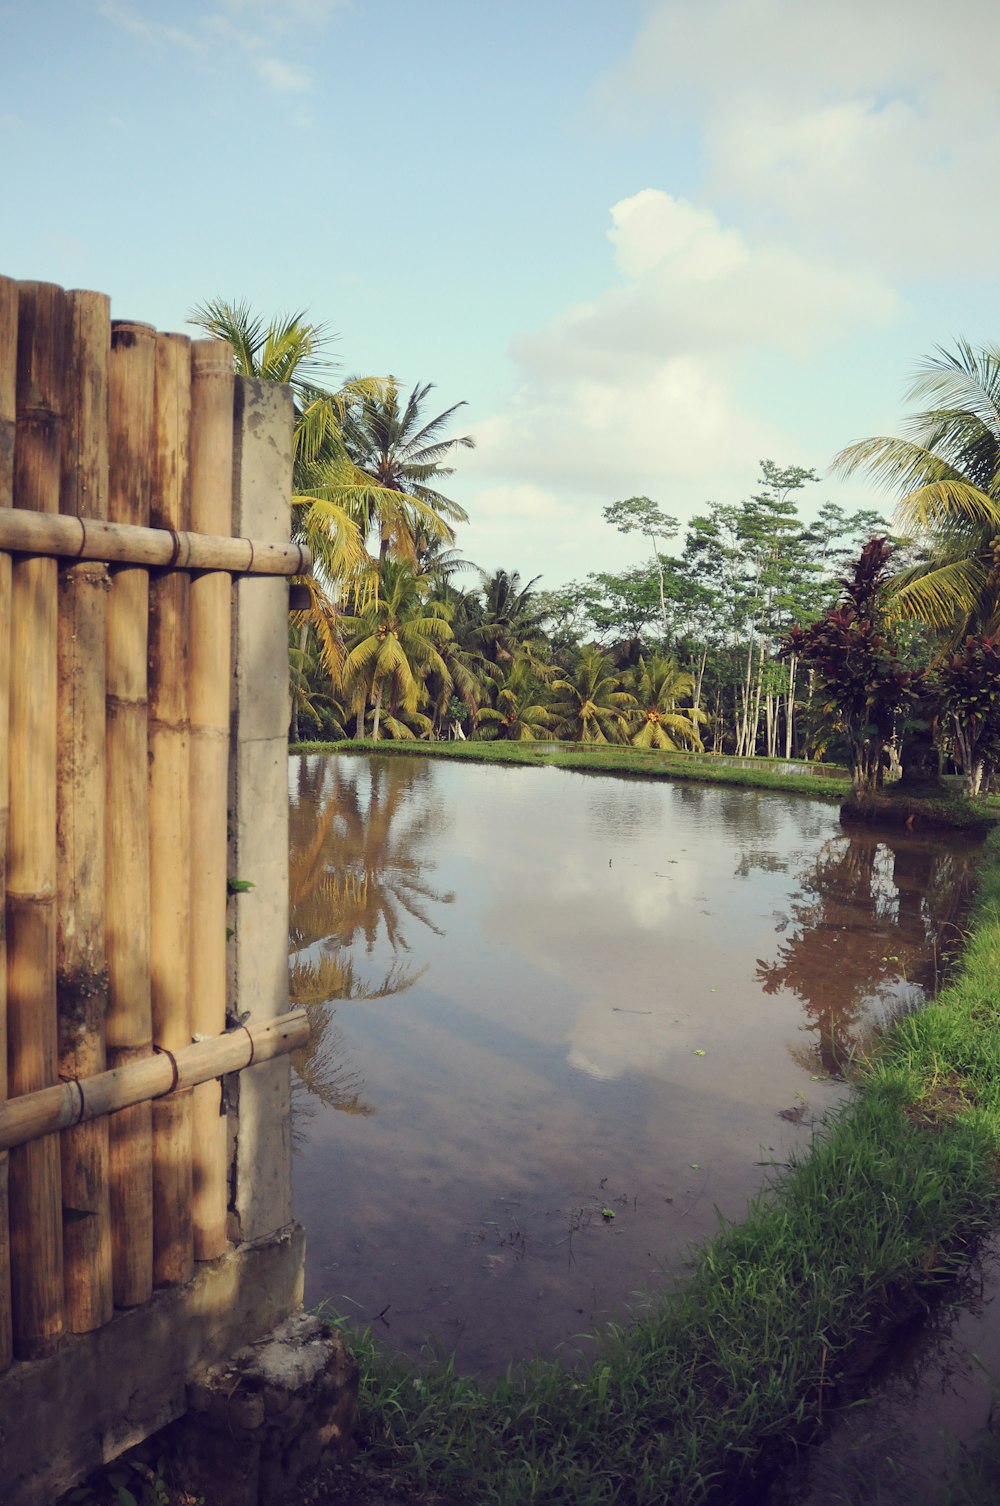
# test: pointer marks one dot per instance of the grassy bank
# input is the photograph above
(703, 1391)
(613, 758)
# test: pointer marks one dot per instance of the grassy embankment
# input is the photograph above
(703, 1390)
(612, 758)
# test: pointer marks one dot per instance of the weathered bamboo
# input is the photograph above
(120, 543)
(35, 1196)
(212, 389)
(81, 969)
(8, 412)
(169, 817)
(129, 1022)
(22, 1120)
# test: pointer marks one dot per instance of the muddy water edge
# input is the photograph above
(565, 1019)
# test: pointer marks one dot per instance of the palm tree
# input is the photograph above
(511, 615)
(656, 721)
(317, 706)
(947, 477)
(333, 498)
(404, 454)
(327, 490)
(590, 708)
(518, 712)
(294, 350)
(393, 644)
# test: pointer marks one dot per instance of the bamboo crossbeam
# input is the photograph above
(25, 1119)
(82, 538)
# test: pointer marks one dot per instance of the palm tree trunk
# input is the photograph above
(377, 711)
(303, 639)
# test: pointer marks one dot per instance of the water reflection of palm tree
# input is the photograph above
(355, 869)
(865, 927)
(358, 854)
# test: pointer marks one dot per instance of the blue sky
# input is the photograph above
(650, 242)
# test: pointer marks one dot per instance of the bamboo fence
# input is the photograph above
(116, 564)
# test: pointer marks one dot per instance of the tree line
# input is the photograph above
(756, 632)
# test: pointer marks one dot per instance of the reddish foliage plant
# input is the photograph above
(859, 680)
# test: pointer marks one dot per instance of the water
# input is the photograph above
(564, 1019)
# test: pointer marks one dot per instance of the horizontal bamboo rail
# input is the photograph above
(23, 532)
(48, 1110)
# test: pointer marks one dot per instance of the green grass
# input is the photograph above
(709, 1386)
(611, 758)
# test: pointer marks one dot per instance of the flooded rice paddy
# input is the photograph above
(563, 1019)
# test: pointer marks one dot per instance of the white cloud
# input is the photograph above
(525, 501)
(284, 77)
(867, 130)
(282, 13)
(648, 388)
(249, 26)
(694, 287)
(152, 32)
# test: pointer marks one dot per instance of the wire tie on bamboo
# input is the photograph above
(250, 542)
(165, 1051)
(249, 1037)
(78, 1085)
(175, 553)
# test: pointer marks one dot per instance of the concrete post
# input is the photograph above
(260, 1194)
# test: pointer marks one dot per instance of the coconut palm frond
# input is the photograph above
(942, 595)
(948, 482)
(392, 727)
(964, 381)
(332, 536)
(948, 505)
(894, 464)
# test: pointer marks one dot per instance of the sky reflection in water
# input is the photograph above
(544, 995)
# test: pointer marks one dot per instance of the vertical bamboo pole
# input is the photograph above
(169, 816)
(129, 1022)
(81, 969)
(8, 412)
(35, 1194)
(212, 386)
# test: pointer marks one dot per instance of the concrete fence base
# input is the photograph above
(63, 1417)
(268, 1418)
